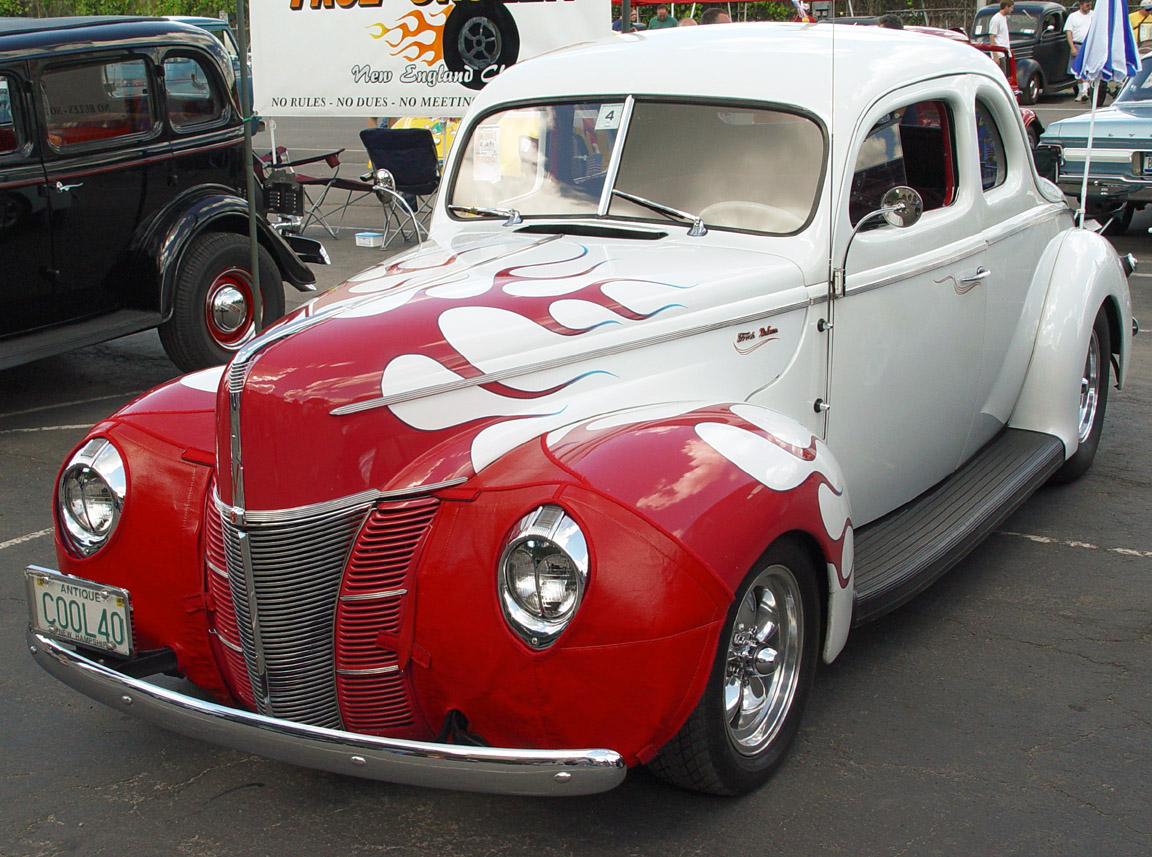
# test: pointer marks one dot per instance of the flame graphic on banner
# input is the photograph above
(417, 37)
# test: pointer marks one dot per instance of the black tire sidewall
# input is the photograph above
(742, 773)
(185, 335)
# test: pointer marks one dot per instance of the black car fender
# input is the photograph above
(206, 208)
(1026, 67)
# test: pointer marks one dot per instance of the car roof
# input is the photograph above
(756, 62)
(1023, 6)
(197, 20)
(33, 33)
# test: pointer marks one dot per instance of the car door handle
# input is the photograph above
(980, 274)
(64, 188)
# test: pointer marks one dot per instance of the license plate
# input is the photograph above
(80, 611)
(1147, 159)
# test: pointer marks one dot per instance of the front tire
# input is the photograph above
(765, 662)
(1093, 401)
(1030, 92)
(215, 309)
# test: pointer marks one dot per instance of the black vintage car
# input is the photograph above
(1038, 43)
(122, 193)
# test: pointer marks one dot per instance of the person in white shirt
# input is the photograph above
(998, 31)
(1076, 29)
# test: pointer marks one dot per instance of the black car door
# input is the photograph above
(1052, 51)
(25, 245)
(103, 146)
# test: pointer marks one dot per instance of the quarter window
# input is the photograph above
(911, 146)
(9, 139)
(192, 98)
(93, 103)
(993, 166)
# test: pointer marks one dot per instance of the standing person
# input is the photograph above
(998, 31)
(1076, 29)
(715, 15)
(1141, 22)
(663, 19)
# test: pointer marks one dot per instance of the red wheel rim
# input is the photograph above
(229, 309)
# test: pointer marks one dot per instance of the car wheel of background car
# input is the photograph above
(765, 662)
(1030, 92)
(1118, 222)
(1093, 401)
(479, 34)
(215, 311)
(1033, 137)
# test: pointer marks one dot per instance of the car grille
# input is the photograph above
(332, 591)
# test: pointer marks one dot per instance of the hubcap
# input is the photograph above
(229, 309)
(1090, 388)
(479, 43)
(763, 665)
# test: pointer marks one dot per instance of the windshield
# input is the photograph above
(1139, 88)
(1020, 23)
(735, 167)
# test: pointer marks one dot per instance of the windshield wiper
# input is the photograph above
(698, 227)
(512, 214)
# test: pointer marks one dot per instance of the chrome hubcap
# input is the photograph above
(229, 309)
(763, 665)
(1090, 388)
(479, 43)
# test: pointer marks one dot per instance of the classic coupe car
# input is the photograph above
(1038, 43)
(1120, 170)
(725, 341)
(122, 193)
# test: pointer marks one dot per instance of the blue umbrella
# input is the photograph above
(1109, 51)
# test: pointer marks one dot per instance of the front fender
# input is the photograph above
(725, 481)
(206, 208)
(1085, 276)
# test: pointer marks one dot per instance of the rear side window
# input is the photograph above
(993, 161)
(9, 139)
(193, 98)
(91, 104)
(911, 146)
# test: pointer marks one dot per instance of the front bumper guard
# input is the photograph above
(417, 763)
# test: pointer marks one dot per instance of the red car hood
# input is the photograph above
(425, 369)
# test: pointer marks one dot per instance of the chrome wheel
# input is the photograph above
(1090, 388)
(762, 671)
(229, 310)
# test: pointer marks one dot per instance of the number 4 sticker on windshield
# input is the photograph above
(608, 119)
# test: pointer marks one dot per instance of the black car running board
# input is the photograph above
(901, 554)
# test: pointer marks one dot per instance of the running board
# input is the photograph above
(901, 554)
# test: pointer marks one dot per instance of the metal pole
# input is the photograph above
(249, 173)
(625, 16)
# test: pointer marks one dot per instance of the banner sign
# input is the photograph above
(402, 57)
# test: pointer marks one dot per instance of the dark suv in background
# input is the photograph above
(122, 193)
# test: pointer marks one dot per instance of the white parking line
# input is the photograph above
(132, 393)
(1068, 543)
(21, 539)
(46, 428)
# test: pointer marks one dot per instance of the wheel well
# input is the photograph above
(820, 562)
(1112, 312)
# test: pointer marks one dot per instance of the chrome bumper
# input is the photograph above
(417, 763)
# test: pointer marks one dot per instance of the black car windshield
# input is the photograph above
(1020, 23)
(734, 167)
(1139, 88)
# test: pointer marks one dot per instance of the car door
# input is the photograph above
(1052, 51)
(103, 147)
(907, 332)
(25, 244)
(1017, 225)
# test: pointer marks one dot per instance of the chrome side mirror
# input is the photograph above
(901, 206)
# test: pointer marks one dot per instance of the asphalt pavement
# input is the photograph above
(1006, 711)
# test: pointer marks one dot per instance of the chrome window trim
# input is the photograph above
(546, 365)
(931, 265)
(1050, 212)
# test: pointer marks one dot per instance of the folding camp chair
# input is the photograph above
(310, 211)
(406, 174)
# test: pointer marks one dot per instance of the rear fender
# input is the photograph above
(1085, 276)
(725, 481)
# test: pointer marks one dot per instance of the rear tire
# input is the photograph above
(215, 310)
(765, 662)
(1030, 92)
(1093, 401)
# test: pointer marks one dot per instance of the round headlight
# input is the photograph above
(91, 496)
(543, 572)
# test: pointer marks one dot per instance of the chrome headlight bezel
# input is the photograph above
(551, 543)
(90, 496)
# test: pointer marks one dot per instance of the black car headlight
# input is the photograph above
(91, 495)
(543, 573)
